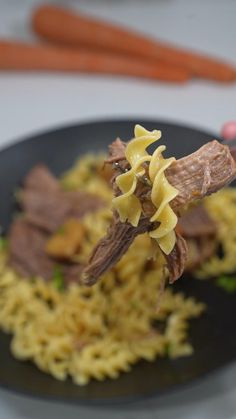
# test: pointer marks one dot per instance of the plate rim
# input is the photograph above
(122, 400)
(23, 138)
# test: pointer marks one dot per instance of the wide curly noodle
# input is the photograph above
(128, 205)
(95, 332)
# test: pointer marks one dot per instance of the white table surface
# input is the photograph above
(33, 102)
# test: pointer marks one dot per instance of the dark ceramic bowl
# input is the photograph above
(212, 335)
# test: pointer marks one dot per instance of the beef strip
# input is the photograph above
(104, 254)
(199, 250)
(116, 151)
(26, 250)
(72, 272)
(195, 176)
(201, 173)
(39, 177)
(47, 206)
(199, 230)
(196, 223)
(28, 257)
(177, 258)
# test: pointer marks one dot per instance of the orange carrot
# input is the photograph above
(20, 56)
(63, 27)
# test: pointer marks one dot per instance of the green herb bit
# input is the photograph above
(57, 278)
(61, 230)
(134, 305)
(167, 349)
(228, 283)
(3, 243)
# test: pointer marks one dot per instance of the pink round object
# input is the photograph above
(228, 131)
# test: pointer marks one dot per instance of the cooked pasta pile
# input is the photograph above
(101, 331)
(95, 332)
(129, 206)
(222, 208)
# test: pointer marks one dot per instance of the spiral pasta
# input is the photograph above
(100, 331)
(128, 205)
(222, 209)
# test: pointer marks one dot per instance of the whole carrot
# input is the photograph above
(20, 56)
(64, 27)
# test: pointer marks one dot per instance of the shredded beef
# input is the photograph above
(26, 250)
(71, 272)
(39, 177)
(195, 176)
(199, 250)
(176, 260)
(28, 257)
(201, 173)
(116, 151)
(104, 254)
(47, 206)
(196, 222)
(199, 230)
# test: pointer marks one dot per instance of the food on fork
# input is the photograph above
(150, 192)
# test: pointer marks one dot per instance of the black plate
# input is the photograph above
(212, 335)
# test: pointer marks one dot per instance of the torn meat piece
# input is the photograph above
(201, 173)
(199, 230)
(126, 234)
(116, 151)
(27, 255)
(72, 273)
(195, 176)
(39, 177)
(43, 208)
(81, 203)
(115, 244)
(196, 222)
(177, 258)
(26, 250)
(47, 206)
(199, 250)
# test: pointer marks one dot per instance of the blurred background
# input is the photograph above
(33, 99)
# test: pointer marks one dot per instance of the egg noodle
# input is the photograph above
(129, 206)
